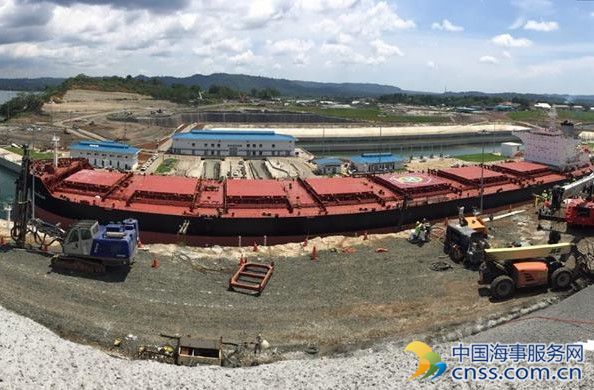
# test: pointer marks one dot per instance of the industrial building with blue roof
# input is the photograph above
(106, 154)
(377, 162)
(242, 143)
(328, 165)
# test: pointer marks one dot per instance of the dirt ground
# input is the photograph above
(88, 110)
(338, 302)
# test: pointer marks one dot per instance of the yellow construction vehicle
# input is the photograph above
(508, 269)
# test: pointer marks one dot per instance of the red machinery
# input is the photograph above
(579, 204)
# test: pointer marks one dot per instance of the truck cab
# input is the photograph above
(79, 239)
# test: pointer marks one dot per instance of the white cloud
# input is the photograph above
(541, 26)
(519, 22)
(508, 41)
(289, 46)
(245, 58)
(578, 68)
(301, 59)
(336, 49)
(384, 49)
(488, 60)
(347, 55)
(446, 25)
(262, 12)
(225, 46)
(326, 40)
(370, 19)
(298, 49)
(321, 6)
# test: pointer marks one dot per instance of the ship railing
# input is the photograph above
(80, 188)
(313, 194)
(117, 185)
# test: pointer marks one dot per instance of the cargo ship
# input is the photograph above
(198, 212)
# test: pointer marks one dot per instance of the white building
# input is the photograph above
(328, 165)
(377, 162)
(510, 149)
(222, 143)
(545, 106)
(106, 154)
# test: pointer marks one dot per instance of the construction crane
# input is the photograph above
(22, 209)
(86, 247)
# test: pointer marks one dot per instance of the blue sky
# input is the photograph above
(489, 45)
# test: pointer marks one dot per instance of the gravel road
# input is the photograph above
(340, 301)
(32, 356)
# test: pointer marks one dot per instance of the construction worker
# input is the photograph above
(427, 229)
(258, 344)
(414, 234)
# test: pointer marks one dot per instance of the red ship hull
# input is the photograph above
(208, 212)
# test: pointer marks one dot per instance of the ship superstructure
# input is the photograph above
(557, 147)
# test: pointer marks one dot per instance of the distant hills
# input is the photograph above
(37, 84)
(238, 82)
(296, 88)
(286, 87)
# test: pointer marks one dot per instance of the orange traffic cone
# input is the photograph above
(255, 249)
(314, 253)
(365, 235)
(155, 263)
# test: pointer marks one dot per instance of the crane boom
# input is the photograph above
(577, 186)
(569, 190)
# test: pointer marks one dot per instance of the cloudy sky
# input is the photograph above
(489, 45)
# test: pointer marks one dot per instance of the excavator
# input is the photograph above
(86, 246)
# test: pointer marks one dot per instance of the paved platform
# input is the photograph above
(569, 321)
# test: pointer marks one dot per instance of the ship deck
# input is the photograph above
(77, 182)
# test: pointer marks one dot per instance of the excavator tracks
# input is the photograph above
(79, 265)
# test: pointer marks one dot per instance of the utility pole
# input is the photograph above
(55, 142)
(482, 188)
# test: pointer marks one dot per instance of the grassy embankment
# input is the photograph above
(477, 158)
(166, 166)
(35, 155)
(542, 116)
